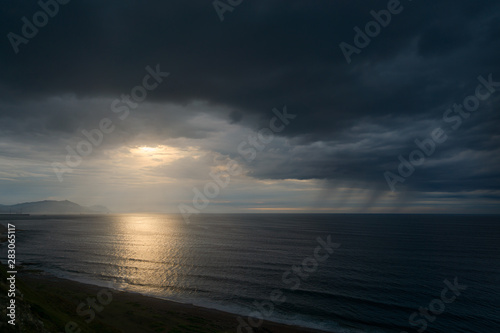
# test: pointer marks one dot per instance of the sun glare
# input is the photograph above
(159, 154)
(151, 151)
(151, 164)
(148, 149)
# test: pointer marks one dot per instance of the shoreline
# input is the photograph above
(132, 312)
(53, 302)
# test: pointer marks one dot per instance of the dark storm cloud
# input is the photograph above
(267, 54)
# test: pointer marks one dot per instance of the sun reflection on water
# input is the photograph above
(150, 252)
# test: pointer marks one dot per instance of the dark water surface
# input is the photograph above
(385, 269)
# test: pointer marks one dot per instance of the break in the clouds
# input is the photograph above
(353, 118)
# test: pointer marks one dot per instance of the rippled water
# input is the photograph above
(386, 268)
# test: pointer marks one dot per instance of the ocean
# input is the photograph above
(339, 273)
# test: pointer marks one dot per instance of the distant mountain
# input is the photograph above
(52, 207)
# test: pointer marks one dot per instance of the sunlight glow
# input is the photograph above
(148, 239)
(158, 154)
(148, 149)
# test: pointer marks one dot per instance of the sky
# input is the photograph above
(252, 106)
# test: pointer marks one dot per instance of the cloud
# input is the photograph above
(353, 120)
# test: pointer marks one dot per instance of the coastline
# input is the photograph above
(132, 312)
(46, 303)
